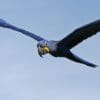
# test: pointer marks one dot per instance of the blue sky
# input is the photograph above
(26, 76)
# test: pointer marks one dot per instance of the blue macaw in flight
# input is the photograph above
(61, 48)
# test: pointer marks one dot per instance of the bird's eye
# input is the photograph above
(41, 46)
(38, 45)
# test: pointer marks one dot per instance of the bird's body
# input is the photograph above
(63, 47)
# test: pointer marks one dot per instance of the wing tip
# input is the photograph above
(92, 65)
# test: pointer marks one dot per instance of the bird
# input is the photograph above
(61, 48)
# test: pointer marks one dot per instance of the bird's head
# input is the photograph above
(43, 48)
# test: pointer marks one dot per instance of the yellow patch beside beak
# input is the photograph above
(46, 49)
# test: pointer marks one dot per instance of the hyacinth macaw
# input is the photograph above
(61, 48)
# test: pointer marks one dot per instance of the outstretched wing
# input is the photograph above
(80, 34)
(4, 24)
(77, 59)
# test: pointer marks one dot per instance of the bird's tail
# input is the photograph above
(77, 59)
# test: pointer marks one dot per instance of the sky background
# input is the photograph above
(26, 76)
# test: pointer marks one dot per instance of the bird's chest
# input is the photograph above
(59, 52)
